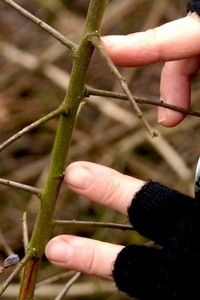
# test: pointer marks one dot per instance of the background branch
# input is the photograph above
(57, 35)
(25, 232)
(62, 294)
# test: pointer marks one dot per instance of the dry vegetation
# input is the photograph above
(34, 72)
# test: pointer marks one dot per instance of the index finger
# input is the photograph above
(175, 40)
(102, 185)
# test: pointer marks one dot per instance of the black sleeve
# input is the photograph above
(193, 6)
(171, 271)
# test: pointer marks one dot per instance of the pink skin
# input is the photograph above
(107, 187)
(178, 45)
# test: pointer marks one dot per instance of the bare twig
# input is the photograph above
(57, 35)
(93, 224)
(6, 283)
(28, 128)
(142, 100)
(25, 231)
(59, 77)
(21, 186)
(68, 285)
(97, 43)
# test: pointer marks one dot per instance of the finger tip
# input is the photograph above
(58, 250)
(78, 175)
(171, 120)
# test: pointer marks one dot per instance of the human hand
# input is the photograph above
(165, 216)
(104, 186)
(177, 44)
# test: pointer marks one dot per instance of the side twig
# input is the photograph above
(97, 43)
(30, 127)
(21, 186)
(57, 35)
(139, 99)
(93, 224)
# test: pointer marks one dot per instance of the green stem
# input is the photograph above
(44, 224)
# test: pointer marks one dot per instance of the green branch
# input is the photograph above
(75, 93)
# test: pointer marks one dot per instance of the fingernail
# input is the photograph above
(78, 176)
(59, 251)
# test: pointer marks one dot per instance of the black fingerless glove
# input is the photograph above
(193, 6)
(171, 271)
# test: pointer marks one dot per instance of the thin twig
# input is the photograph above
(97, 43)
(21, 186)
(28, 128)
(6, 283)
(68, 285)
(142, 100)
(57, 35)
(92, 224)
(25, 231)
(60, 78)
(55, 278)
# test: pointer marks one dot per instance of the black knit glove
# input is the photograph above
(172, 220)
(194, 5)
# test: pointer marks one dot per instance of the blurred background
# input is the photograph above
(34, 72)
